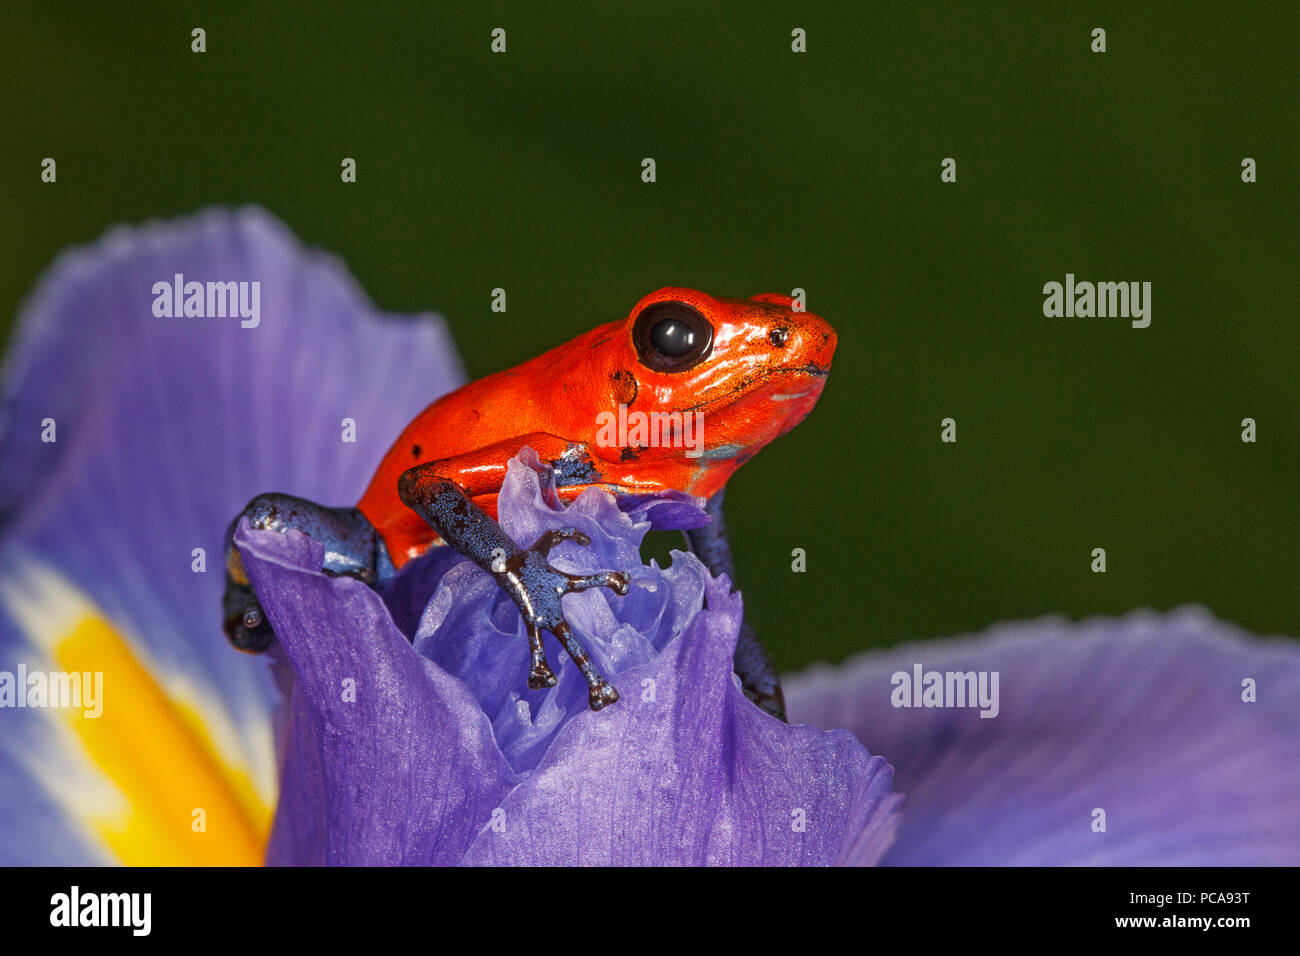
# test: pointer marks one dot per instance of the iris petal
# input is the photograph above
(165, 427)
(1141, 717)
(390, 760)
(683, 769)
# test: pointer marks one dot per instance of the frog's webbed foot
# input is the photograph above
(525, 574)
(243, 619)
(537, 587)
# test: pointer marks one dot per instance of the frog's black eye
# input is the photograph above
(672, 337)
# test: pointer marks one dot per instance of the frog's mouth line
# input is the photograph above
(816, 371)
(821, 371)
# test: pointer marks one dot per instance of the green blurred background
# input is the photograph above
(778, 170)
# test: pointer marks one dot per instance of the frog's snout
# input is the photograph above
(826, 350)
(808, 343)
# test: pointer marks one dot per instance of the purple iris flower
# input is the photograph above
(398, 727)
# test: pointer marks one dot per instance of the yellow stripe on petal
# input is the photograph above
(155, 751)
(182, 802)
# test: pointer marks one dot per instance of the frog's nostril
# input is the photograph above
(829, 341)
(778, 337)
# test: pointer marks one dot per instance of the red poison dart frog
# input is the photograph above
(753, 368)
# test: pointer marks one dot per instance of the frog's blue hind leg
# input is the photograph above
(757, 675)
(352, 547)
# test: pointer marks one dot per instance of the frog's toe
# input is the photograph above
(616, 581)
(600, 692)
(540, 676)
(550, 539)
(245, 622)
(601, 695)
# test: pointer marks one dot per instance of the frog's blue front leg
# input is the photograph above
(757, 675)
(524, 573)
(352, 548)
